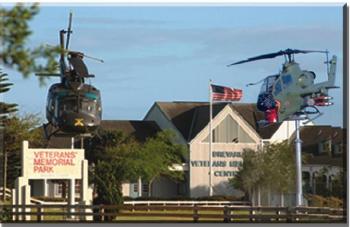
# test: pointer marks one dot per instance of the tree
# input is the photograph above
(118, 158)
(249, 175)
(14, 34)
(339, 185)
(157, 155)
(16, 129)
(5, 109)
(272, 167)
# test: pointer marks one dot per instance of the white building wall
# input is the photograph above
(199, 168)
(226, 166)
(126, 189)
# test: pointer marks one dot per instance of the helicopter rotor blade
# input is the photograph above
(279, 53)
(295, 51)
(264, 56)
(85, 56)
(69, 30)
(93, 58)
(48, 74)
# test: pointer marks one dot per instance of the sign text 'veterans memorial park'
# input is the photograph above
(52, 163)
(40, 165)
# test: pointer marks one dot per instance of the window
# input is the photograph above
(77, 186)
(337, 148)
(144, 188)
(135, 187)
(266, 87)
(287, 79)
(68, 104)
(278, 88)
(323, 147)
(60, 188)
(89, 106)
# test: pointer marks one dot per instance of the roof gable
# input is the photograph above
(192, 117)
(220, 117)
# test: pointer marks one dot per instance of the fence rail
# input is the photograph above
(168, 213)
(186, 202)
(7, 192)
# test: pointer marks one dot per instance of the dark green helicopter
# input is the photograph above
(73, 107)
(292, 92)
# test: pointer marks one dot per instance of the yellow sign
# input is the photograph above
(79, 122)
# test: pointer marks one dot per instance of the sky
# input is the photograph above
(169, 53)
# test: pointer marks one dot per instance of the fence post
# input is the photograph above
(39, 211)
(23, 212)
(102, 213)
(289, 215)
(227, 214)
(251, 212)
(278, 213)
(195, 213)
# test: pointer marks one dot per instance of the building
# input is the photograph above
(235, 128)
(323, 147)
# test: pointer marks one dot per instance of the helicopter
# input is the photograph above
(73, 107)
(292, 92)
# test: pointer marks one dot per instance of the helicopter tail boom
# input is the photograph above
(332, 69)
(324, 86)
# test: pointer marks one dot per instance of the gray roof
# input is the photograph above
(320, 133)
(192, 117)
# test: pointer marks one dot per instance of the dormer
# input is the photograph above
(325, 147)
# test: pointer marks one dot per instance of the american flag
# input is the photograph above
(220, 93)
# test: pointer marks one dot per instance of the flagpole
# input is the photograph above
(210, 136)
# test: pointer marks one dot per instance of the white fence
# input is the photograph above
(188, 203)
(7, 193)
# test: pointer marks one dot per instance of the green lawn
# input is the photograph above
(176, 212)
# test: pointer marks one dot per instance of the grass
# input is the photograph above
(155, 218)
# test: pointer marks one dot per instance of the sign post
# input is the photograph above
(48, 164)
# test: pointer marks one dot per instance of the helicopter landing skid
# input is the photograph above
(301, 115)
(304, 114)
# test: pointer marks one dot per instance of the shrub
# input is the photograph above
(320, 201)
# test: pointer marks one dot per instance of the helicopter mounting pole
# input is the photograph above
(298, 142)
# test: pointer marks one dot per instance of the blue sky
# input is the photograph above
(167, 53)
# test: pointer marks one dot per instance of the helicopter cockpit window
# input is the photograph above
(69, 105)
(287, 79)
(89, 106)
(267, 85)
(278, 87)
